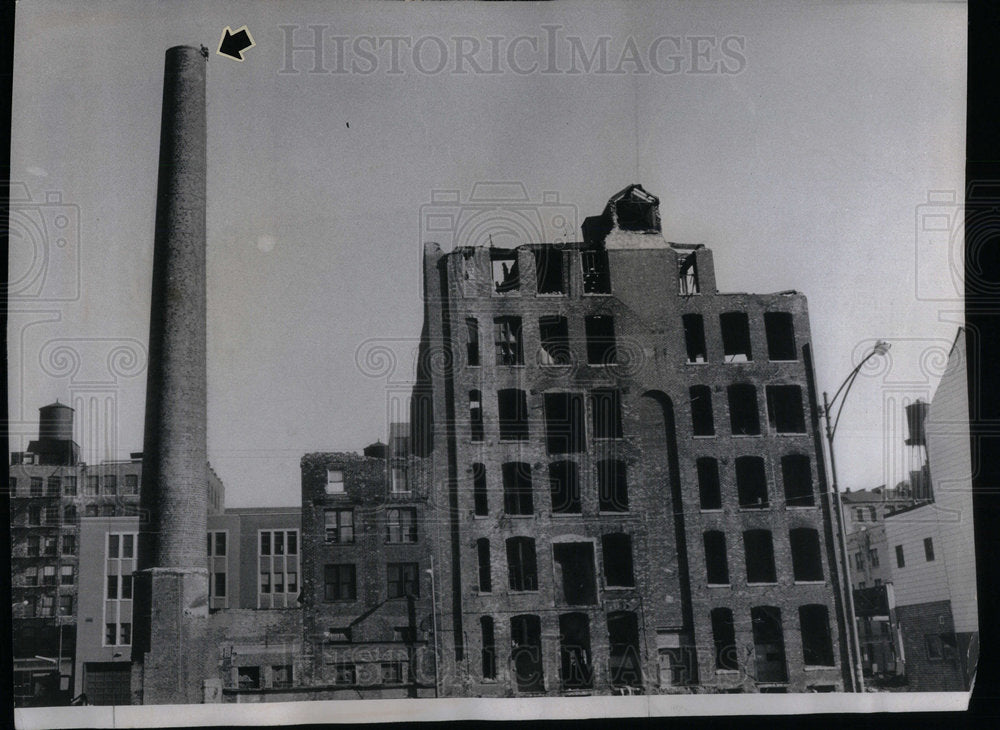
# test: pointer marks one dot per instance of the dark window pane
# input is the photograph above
(759, 552)
(743, 415)
(702, 422)
(716, 562)
(564, 423)
(709, 490)
(780, 336)
(564, 486)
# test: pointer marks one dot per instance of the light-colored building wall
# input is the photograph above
(947, 521)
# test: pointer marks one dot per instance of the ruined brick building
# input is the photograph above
(626, 470)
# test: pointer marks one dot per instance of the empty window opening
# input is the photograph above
(554, 334)
(716, 563)
(513, 414)
(743, 415)
(624, 662)
(564, 485)
(605, 404)
(769, 644)
(575, 660)
(575, 572)
(485, 574)
(612, 484)
(637, 213)
(780, 336)
(702, 423)
(618, 568)
(489, 654)
(476, 415)
(479, 494)
(694, 338)
(564, 423)
(724, 638)
(759, 551)
(687, 272)
(817, 641)
(506, 277)
(900, 561)
(248, 677)
(549, 271)
(709, 490)
(751, 482)
(472, 346)
(807, 559)
(601, 348)
(784, 408)
(596, 277)
(522, 571)
(517, 496)
(507, 340)
(796, 475)
(526, 654)
(735, 336)
(929, 549)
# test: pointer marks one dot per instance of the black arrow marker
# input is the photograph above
(233, 44)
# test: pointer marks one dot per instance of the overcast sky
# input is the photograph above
(798, 141)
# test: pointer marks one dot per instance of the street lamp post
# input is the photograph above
(437, 682)
(881, 348)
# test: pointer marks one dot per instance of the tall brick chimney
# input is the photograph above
(172, 590)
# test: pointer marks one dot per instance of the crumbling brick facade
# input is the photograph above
(608, 360)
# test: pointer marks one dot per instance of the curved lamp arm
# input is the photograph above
(881, 348)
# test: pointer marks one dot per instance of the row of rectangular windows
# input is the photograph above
(785, 413)
(400, 526)
(38, 546)
(340, 581)
(550, 272)
(270, 542)
(44, 606)
(369, 674)
(758, 551)
(398, 484)
(752, 482)
(66, 486)
(69, 515)
(928, 553)
(576, 661)
(768, 639)
(565, 415)
(575, 561)
(612, 485)
(48, 575)
(554, 341)
(576, 669)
